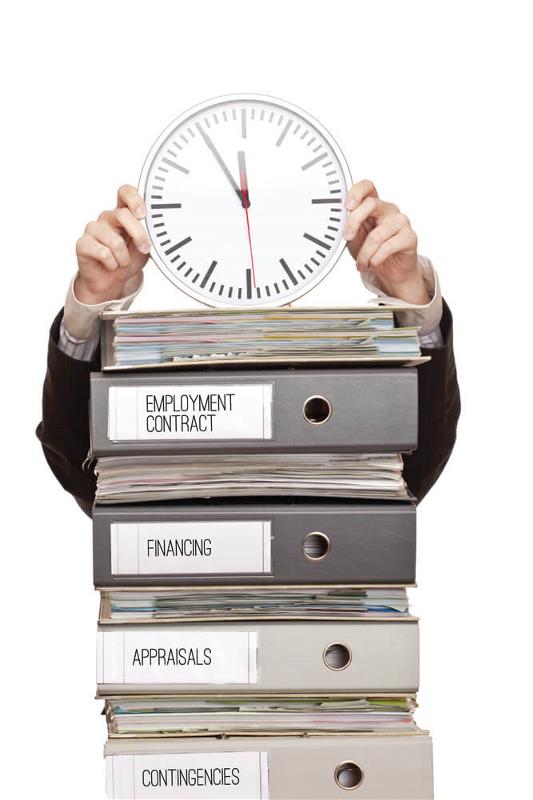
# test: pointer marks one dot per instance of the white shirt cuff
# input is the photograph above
(426, 317)
(82, 321)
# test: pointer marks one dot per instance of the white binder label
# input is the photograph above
(191, 548)
(195, 412)
(176, 656)
(218, 776)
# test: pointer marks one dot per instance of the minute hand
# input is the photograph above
(209, 142)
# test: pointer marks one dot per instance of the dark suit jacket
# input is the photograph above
(64, 430)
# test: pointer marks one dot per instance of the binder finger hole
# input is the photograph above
(317, 410)
(316, 546)
(348, 775)
(337, 656)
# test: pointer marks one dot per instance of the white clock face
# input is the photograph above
(244, 201)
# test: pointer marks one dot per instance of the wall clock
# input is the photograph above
(244, 199)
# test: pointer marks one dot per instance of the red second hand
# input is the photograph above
(244, 190)
(250, 243)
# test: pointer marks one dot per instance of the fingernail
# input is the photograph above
(140, 212)
(351, 203)
(347, 234)
(145, 248)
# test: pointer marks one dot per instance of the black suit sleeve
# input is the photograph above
(64, 430)
(439, 406)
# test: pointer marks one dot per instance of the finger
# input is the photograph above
(122, 218)
(370, 207)
(88, 247)
(358, 192)
(106, 234)
(129, 197)
(388, 227)
(403, 242)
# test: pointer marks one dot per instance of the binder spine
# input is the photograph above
(314, 768)
(292, 411)
(360, 656)
(269, 544)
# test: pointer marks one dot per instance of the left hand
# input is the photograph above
(380, 238)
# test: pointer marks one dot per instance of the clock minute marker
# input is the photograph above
(288, 271)
(283, 133)
(178, 245)
(208, 274)
(175, 165)
(317, 241)
(314, 161)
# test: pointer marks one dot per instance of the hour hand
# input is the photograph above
(209, 142)
(245, 191)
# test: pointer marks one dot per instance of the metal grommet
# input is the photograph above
(316, 545)
(348, 775)
(337, 656)
(316, 409)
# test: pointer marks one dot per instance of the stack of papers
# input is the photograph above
(253, 603)
(273, 336)
(137, 479)
(270, 715)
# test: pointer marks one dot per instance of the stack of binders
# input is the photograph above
(253, 541)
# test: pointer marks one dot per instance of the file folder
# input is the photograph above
(323, 657)
(369, 767)
(240, 542)
(286, 411)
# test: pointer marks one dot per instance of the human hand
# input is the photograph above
(112, 250)
(380, 238)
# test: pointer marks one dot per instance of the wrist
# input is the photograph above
(411, 289)
(85, 294)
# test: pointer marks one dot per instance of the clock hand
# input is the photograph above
(209, 142)
(246, 204)
(245, 192)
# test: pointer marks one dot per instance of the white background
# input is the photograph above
(431, 101)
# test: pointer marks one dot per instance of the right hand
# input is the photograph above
(112, 250)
